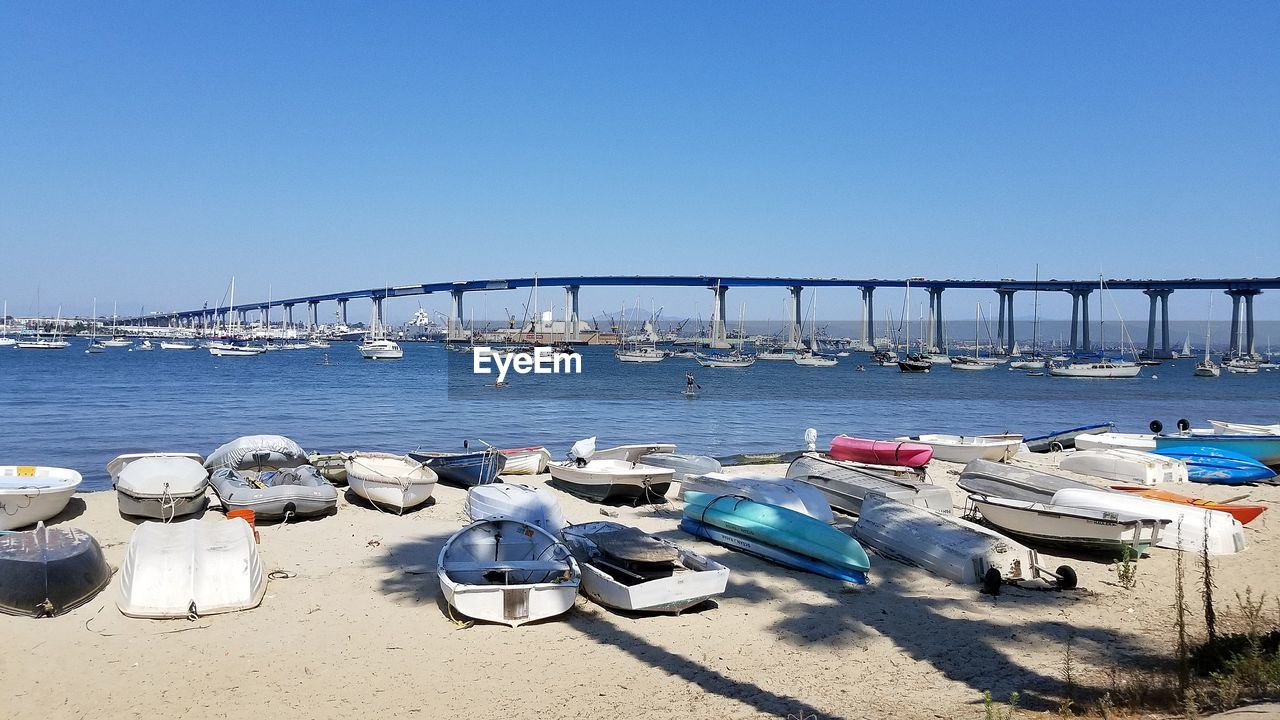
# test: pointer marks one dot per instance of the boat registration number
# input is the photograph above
(26, 471)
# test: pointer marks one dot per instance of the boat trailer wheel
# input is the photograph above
(1055, 446)
(1066, 577)
(991, 582)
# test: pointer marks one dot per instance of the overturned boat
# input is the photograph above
(191, 569)
(1217, 465)
(627, 569)
(880, 452)
(1064, 439)
(844, 484)
(783, 492)
(682, 466)
(533, 505)
(992, 479)
(507, 571)
(950, 547)
(162, 487)
(120, 462)
(1127, 466)
(49, 571)
(389, 482)
(32, 493)
(288, 494)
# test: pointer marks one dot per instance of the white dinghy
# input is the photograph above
(783, 492)
(612, 480)
(1190, 528)
(526, 460)
(630, 453)
(32, 493)
(683, 466)
(120, 462)
(844, 484)
(1080, 529)
(190, 569)
(950, 547)
(966, 448)
(507, 571)
(1112, 440)
(1221, 427)
(624, 568)
(534, 505)
(162, 487)
(1126, 466)
(389, 482)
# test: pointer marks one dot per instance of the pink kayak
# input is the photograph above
(880, 452)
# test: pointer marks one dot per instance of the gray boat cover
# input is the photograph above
(999, 480)
(254, 452)
(845, 484)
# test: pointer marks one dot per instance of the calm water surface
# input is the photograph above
(71, 409)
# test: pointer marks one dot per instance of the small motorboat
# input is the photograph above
(612, 480)
(1109, 440)
(1122, 465)
(1082, 529)
(808, 359)
(965, 448)
(32, 493)
(526, 460)
(684, 466)
(627, 569)
(777, 534)
(191, 569)
(1064, 439)
(880, 452)
(257, 452)
(161, 487)
(465, 469)
(533, 505)
(381, 350)
(844, 484)
(176, 345)
(1244, 513)
(992, 479)
(915, 364)
(630, 453)
(332, 466)
(46, 572)
(389, 482)
(1217, 465)
(287, 494)
(1190, 529)
(783, 492)
(950, 547)
(507, 571)
(234, 349)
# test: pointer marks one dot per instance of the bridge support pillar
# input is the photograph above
(936, 341)
(1005, 327)
(1237, 347)
(1160, 298)
(868, 319)
(795, 334)
(342, 310)
(288, 316)
(1080, 321)
(719, 337)
(377, 311)
(457, 328)
(571, 333)
(313, 315)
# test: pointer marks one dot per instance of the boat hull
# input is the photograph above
(49, 571)
(30, 494)
(1120, 465)
(1100, 532)
(464, 469)
(177, 570)
(1263, 448)
(1244, 513)
(1217, 466)
(845, 485)
(618, 481)
(880, 452)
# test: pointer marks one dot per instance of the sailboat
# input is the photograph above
(810, 358)
(376, 345)
(117, 338)
(5, 340)
(734, 359)
(95, 345)
(1186, 348)
(638, 352)
(1104, 368)
(912, 363)
(1035, 361)
(972, 362)
(228, 347)
(40, 342)
(1207, 367)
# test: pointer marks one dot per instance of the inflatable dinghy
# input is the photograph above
(274, 494)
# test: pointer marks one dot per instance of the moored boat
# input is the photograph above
(627, 569)
(508, 572)
(1102, 370)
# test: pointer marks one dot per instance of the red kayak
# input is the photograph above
(880, 452)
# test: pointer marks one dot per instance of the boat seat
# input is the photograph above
(506, 565)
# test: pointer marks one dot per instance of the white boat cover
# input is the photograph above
(193, 568)
(685, 466)
(782, 492)
(583, 449)
(945, 545)
(254, 452)
(1189, 527)
(534, 505)
(160, 476)
(120, 462)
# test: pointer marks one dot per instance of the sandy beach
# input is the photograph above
(360, 629)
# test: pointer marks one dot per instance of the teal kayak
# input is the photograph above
(779, 527)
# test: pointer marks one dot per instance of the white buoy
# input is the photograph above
(811, 439)
(1155, 377)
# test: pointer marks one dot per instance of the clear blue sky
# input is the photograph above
(150, 151)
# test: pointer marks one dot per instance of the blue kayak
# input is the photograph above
(770, 527)
(1264, 449)
(1215, 465)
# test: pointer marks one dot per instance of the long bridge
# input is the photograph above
(1242, 292)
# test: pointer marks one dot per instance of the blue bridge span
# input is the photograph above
(1242, 292)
